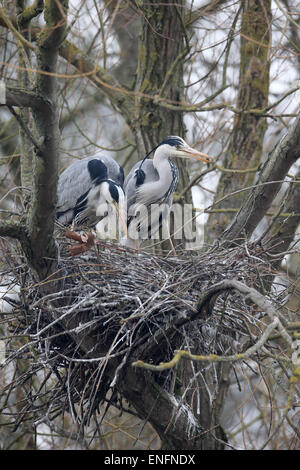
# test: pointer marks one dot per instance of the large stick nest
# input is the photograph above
(117, 304)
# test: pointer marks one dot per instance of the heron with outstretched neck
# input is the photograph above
(153, 182)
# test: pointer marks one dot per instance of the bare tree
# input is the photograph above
(164, 338)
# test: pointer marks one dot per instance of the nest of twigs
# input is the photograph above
(116, 305)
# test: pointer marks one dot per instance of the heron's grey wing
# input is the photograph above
(76, 180)
(137, 217)
(73, 184)
(130, 185)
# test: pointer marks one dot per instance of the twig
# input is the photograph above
(181, 354)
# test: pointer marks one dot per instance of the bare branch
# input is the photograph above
(102, 79)
(181, 354)
(260, 199)
(10, 25)
(25, 98)
(12, 230)
(42, 208)
(31, 12)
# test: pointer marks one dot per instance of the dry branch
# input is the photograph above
(181, 354)
(276, 167)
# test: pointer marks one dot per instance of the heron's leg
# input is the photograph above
(170, 240)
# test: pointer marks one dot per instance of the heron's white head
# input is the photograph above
(109, 203)
(174, 146)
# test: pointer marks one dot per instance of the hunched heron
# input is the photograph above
(88, 190)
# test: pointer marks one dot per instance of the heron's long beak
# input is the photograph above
(196, 154)
(121, 217)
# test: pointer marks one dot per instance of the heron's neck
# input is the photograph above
(159, 188)
(163, 166)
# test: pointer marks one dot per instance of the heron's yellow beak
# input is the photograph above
(196, 154)
(121, 217)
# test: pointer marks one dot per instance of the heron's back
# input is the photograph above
(75, 183)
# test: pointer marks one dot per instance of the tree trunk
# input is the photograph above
(245, 147)
(162, 51)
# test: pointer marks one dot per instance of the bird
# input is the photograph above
(89, 190)
(153, 182)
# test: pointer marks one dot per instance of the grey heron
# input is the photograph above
(153, 182)
(88, 190)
